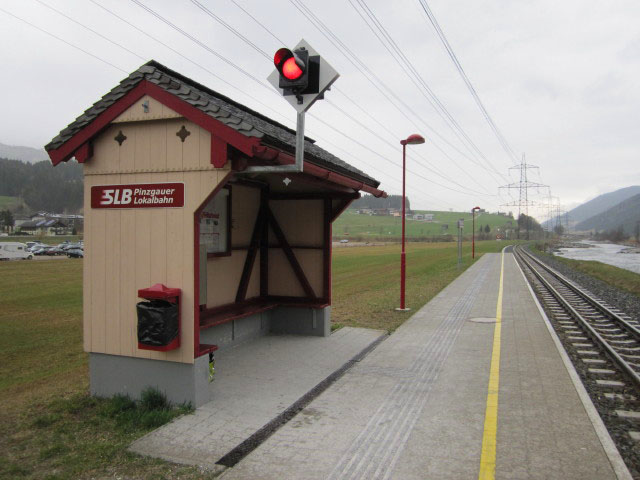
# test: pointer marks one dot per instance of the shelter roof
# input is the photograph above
(231, 113)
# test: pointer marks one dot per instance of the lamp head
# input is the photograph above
(414, 139)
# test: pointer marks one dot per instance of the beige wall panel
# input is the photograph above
(132, 249)
(191, 145)
(136, 113)
(157, 133)
(193, 198)
(174, 145)
(112, 276)
(98, 277)
(141, 155)
(174, 276)
(223, 278)
(205, 148)
(282, 280)
(300, 220)
(128, 291)
(141, 248)
(245, 203)
(86, 265)
(106, 152)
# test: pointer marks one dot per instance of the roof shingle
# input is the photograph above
(227, 111)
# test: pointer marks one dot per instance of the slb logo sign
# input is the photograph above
(140, 195)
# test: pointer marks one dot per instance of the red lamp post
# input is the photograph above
(473, 234)
(414, 139)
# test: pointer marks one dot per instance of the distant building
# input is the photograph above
(428, 217)
(44, 223)
(381, 211)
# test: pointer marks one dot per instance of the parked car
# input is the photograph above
(56, 251)
(69, 246)
(14, 251)
(42, 250)
(75, 253)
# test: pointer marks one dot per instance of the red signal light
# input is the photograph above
(280, 56)
(289, 64)
(291, 70)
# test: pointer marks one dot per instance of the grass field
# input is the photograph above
(7, 202)
(49, 426)
(351, 224)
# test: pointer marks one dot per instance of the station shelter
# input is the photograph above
(175, 218)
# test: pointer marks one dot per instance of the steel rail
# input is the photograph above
(585, 296)
(595, 336)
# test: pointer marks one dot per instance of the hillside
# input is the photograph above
(26, 154)
(41, 186)
(351, 224)
(626, 213)
(600, 204)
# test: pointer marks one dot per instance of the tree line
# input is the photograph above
(41, 186)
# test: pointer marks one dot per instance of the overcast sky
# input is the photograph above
(559, 79)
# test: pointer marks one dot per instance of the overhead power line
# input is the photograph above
(387, 92)
(407, 67)
(385, 128)
(215, 17)
(434, 22)
(62, 40)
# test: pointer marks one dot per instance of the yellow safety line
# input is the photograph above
(488, 457)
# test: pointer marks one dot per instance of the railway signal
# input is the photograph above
(301, 76)
(299, 71)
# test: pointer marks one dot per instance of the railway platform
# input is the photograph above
(473, 385)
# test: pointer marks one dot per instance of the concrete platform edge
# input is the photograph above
(617, 463)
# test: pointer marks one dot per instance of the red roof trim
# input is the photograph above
(220, 130)
(271, 154)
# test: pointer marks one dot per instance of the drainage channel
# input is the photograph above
(243, 449)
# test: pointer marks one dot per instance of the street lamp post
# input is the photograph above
(414, 139)
(473, 233)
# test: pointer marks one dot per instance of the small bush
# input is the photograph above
(117, 405)
(153, 399)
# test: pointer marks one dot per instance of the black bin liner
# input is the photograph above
(157, 322)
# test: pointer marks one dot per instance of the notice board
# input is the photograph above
(215, 224)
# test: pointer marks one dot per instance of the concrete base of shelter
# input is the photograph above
(181, 382)
(188, 383)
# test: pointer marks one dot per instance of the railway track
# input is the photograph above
(604, 344)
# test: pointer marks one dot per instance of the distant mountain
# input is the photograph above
(26, 154)
(598, 205)
(626, 213)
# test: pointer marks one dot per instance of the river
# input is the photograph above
(608, 253)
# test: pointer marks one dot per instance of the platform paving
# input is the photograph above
(414, 407)
(255, 382)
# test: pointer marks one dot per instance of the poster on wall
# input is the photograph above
(214, 224)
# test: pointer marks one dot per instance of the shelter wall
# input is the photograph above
(302, 223)
(223, 273)
(129, 249)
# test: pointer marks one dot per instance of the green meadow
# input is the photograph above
(51, 428)
(372, 227)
